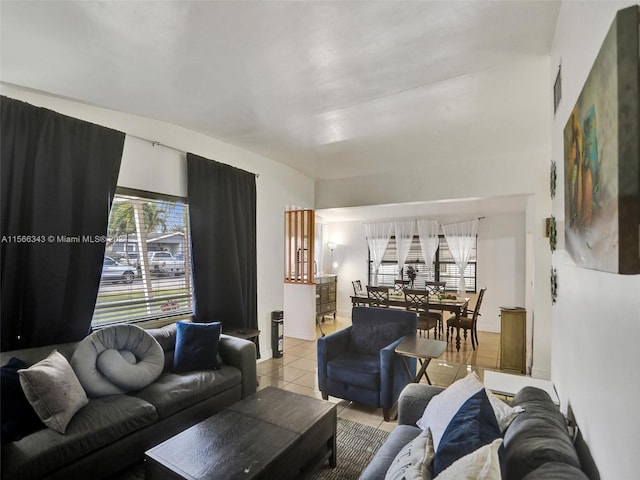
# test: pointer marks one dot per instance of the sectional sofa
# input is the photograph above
(112, 432)
(536, 444)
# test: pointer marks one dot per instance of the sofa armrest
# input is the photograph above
(413, 400)
(241, 354)
(329, 347)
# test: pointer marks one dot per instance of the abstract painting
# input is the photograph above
(601, 157)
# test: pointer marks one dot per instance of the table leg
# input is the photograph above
(458, 330)
(406, 367)
(319, 326)
(333, 456)
(423, 371)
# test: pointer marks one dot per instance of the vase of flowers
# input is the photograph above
(412, 273)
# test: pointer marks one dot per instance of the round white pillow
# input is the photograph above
(117, 359)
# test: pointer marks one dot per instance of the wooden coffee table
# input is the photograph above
(424, 350)
(271, 434)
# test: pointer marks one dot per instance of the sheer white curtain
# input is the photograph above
(460, 237)
(404, 236)
(428, 234)
(378, 235)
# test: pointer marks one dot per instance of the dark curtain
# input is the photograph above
(58, 177)
(222, 212)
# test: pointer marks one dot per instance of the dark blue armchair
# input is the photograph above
(359, 363)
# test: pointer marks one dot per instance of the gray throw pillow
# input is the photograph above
(53, 390)
(117, 359)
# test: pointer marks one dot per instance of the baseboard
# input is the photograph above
(541, 373)
(264, 356)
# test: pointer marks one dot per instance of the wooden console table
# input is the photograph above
(326, 286)
(513, 332)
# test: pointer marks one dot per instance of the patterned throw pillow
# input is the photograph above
(472, 427)
(412, 462)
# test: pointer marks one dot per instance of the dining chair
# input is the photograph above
(435, 289)
(357, 287)
(400, 285)
(360, 297)
(418, 301)
(378, 296)
(467, 322)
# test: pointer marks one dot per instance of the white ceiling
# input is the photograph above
(328, 88)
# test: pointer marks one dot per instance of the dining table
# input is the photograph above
(457, 306)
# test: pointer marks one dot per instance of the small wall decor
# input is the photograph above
(553, 236)
(602, 157)
(554, 284)
(553, 178)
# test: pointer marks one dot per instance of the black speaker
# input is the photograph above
(277, 333)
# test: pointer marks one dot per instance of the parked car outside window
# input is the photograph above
(115, 272)
(131, 258)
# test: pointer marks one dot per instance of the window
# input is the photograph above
(146, 272)
(444, 269)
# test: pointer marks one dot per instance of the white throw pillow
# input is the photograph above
(442, 407)
(412, 462)
(483, 464)
(503, 411)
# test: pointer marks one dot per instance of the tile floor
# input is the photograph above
(296, 370)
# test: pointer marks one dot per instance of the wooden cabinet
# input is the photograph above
(513, 333)
(326, 295)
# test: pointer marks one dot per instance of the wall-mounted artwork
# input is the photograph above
(602, 159)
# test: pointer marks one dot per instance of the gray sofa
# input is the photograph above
(537, 445)
(113, 432)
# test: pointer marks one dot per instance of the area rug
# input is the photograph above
(356, 444)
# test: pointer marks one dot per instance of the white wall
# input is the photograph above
(490, 173)
(501, 266)
(596, 320)
(160, 170)
(351, 256)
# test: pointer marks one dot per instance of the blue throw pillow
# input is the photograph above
(473, 426)
(196, 346)
(19, 419)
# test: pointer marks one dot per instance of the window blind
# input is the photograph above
(147, 268)
(444, 268)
